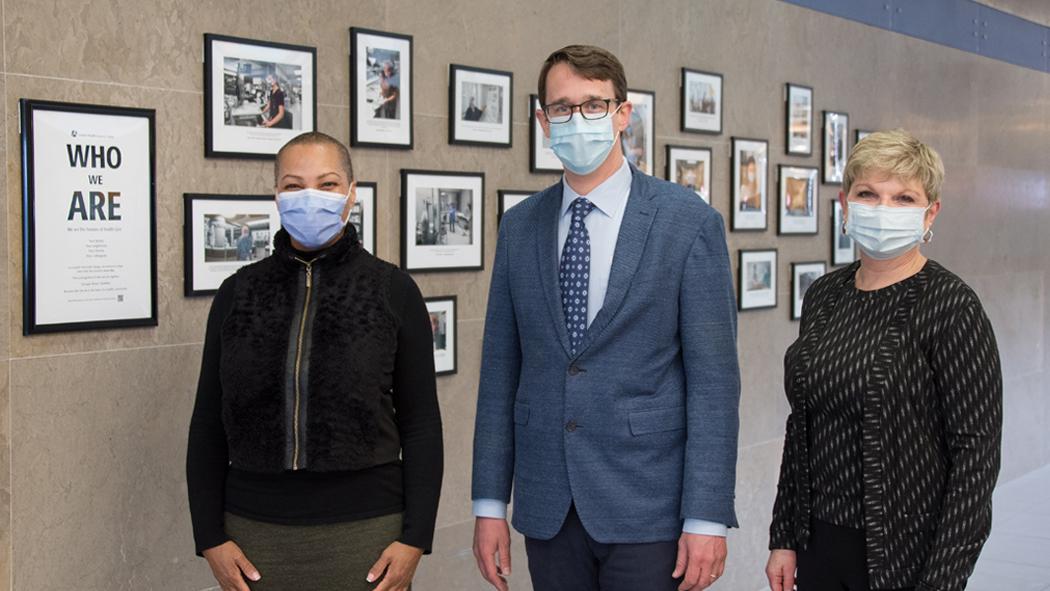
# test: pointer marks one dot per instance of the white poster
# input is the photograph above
(90, 247)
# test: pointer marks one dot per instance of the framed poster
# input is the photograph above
(637, 138)
(442, 312)
(859, 134)
(749, 167)
(842, 248)
(757, 280)
(257, 95)
(479, 106)
(442, 220)
(836, 137)
(802, 277)
(701, 101)
(798, 200)
(541, 157)
(691, 168)
(799, 124)
(380, 89)
(363, 215)
(89, 238)
(222, 233)
(508, 199)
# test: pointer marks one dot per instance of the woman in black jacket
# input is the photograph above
(892, 444)
(315, 456)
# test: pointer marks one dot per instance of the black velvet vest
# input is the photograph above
(308, 352)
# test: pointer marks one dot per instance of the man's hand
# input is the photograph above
(492, 542)
(230, 566)
(780, 570)
(396, 566)
(702, 559)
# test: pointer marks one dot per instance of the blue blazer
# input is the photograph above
(639, 429)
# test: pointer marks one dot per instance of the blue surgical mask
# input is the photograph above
(885, 232)
(312, 217)
(583, 144)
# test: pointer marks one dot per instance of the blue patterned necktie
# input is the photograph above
(574, 273)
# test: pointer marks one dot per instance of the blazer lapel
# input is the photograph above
(549, 211)
(630, 244)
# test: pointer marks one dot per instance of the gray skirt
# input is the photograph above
(325, 557)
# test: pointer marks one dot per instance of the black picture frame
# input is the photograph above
(859, 134)
(364, 131)
(94, 122)
(835, 146)
(700, 121)
(480, 133)
(200, 228)
(541, 157)
(427, 251)
(368, 202)
(673, 155)
(790, 119)
(764, 298)
(643, 111)
(444, 364)
(509, 198)
(742, 220)
(808, 224)
(227, 141)
(796, 285)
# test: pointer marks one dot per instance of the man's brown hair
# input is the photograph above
(593, 63)
(316, 137)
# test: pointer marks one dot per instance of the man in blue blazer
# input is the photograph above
(609, 381)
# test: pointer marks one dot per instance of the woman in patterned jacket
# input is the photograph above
(892, 444)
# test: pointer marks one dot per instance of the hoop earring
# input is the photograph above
(927, 236)
(843, 227)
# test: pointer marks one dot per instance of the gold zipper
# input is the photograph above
(298, 361)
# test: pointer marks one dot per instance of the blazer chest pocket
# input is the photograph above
(521, 413)
(657, 420)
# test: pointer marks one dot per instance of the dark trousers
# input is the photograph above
(573, 561)
(835, 560)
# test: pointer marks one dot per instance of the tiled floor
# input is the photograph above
(1017, 554)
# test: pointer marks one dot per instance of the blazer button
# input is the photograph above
(574, 370)
(570, 426)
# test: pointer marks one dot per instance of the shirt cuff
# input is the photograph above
(696, 526)
(491, 508)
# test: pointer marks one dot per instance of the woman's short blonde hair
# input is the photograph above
(899, 154)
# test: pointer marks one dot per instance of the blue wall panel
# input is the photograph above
(1010, 39)
(948, 22)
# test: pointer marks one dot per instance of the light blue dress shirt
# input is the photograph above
(603, 228)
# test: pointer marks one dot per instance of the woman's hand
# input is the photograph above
(397, 565)
(780, 570)
(230, 566)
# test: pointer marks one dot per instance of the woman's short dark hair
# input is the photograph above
(593, 63)
(316, 137)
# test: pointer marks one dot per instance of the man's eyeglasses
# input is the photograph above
(591, 109)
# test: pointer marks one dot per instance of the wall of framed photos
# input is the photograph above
(93, 422)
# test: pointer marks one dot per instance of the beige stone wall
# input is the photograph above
(93, 425)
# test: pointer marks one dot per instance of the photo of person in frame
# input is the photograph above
(750, 191)
(799, 201)
(383, 85)
(438, 326)
(759, 276)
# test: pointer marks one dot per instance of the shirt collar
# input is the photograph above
(607, 196)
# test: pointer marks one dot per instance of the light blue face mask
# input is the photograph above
(583, 144)
(312, 217)
(885, 232)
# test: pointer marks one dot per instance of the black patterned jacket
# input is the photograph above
(932, 420)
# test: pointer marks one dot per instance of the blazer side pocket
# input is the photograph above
(657, 420)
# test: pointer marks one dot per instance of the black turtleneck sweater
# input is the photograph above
(308, 496)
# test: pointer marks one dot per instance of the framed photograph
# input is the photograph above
(701, 101)
(798, 200)
(859, 134)
(89, 217)
(637, 138)
(442, 220)
(479, 106)
(691, 168)
(799, 125)
(363, 216)
(541, 157)
(750, 166)
(442, 312)
(222, 233)
(380, 89)
(508, 199)
(802, 276)
(257, 95)
(758, 279)
(836, 138)
(842, 247)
